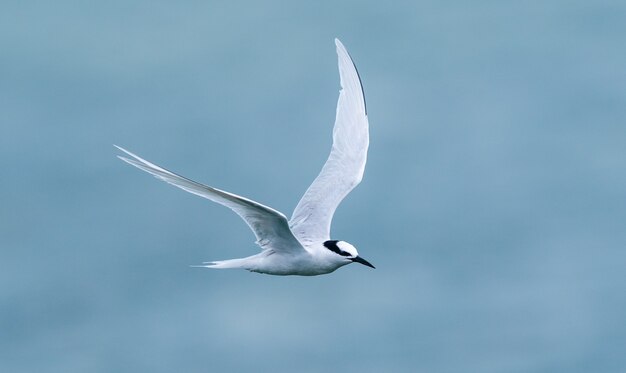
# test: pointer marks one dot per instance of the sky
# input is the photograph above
(493, 203)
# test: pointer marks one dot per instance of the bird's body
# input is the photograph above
(304, 263)
(302, 245)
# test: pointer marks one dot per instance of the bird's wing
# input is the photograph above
(344, 168)
(269, 226)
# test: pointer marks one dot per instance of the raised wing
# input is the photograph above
(269, 226)
(344, 168)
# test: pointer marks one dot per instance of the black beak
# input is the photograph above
(358, 259)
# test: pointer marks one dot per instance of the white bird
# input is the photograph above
(302, 245)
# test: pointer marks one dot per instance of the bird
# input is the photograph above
(301, 245)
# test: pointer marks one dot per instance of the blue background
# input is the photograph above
(493, 204)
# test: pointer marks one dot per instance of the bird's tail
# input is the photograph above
(226, 264)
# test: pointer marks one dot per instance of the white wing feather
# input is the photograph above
(343, 170)
(269, 226)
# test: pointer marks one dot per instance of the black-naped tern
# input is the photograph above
(301, 245)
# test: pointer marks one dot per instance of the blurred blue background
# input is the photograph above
(493, 205)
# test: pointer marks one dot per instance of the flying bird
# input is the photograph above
(302, 244)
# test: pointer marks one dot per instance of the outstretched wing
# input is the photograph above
(269, 226)
(344, 168)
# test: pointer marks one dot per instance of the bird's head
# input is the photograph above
(346, 251)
